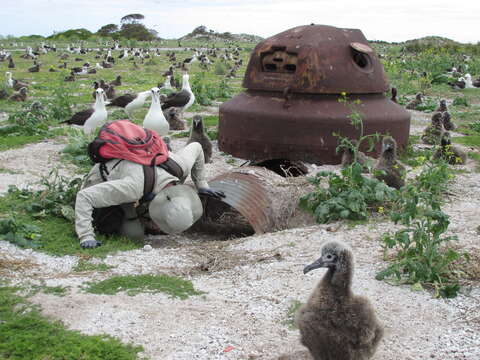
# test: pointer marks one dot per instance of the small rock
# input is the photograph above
(147, 248)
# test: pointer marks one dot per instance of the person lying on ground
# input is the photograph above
(173, 207)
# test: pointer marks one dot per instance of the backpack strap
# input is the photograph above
(172, 168)
(104, 171)
(148, 182)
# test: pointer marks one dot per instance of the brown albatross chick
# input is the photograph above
(388, 169)
(21, 95)
(335, 324)
(198, 134)
(433, 132)
(348, 157)
(450, 153)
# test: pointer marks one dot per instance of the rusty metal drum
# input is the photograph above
(291, 109)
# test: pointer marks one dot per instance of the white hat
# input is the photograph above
(175, 209)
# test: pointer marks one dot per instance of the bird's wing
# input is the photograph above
(122, 100)
(179, 99)
(80, 117)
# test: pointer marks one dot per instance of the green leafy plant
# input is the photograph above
(19, 233)
(428, 105)
(76, 150)
(349, 195)
(202, 90)
(475, 126)
(421, 253)
(220, 68)
(56, 199)
(27, 121)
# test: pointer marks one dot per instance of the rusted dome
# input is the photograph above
(291, 109)
(316, 59)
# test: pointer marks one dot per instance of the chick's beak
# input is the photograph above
(315, 265)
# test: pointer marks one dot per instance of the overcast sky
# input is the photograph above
(378, 19)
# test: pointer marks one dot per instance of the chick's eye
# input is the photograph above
(329, 257)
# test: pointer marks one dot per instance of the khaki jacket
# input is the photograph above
(125, 185)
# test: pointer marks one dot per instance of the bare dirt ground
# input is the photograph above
(250, 283)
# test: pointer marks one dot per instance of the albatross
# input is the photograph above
(130, 102)
(155, 119)
(93, 117)
(182, 99)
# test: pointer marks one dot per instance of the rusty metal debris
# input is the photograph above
(290, 109)
(266, 200)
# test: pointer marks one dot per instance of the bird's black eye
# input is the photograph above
(329, 257)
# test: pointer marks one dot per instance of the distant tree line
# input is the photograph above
(130, 28)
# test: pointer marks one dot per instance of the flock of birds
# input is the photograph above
(334, 324)
(165, 111)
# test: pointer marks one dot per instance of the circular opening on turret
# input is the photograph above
(362, 60)
(284, 167)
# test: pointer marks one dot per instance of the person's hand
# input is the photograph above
(90, 244)
(212, 193)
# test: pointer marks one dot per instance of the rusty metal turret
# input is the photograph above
(291, 107)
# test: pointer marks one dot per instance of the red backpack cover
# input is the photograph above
(123, 139)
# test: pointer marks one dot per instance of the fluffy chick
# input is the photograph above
(450, 153)
(173, 117)
(448, 124)
(362, 159)
(388, 169)
(335, 324)
(197, 134)
(21, 95)
(412, 105)
(433, 132)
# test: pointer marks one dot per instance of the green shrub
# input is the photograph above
(421, 253)
(460, 101)
(19, 233)
(348, 196)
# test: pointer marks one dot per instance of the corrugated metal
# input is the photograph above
(246, 193)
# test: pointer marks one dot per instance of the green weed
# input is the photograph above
(76, 151)
(57, 197)
(422, 256)
(19, 233)
(350, 194)
(54, 290)
(135, 284)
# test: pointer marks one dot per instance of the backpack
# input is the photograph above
(125, 140)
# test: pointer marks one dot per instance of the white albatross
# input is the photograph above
(100, 114)
(182, 99)
(155, 120)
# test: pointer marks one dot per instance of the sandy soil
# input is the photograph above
(250, 283)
